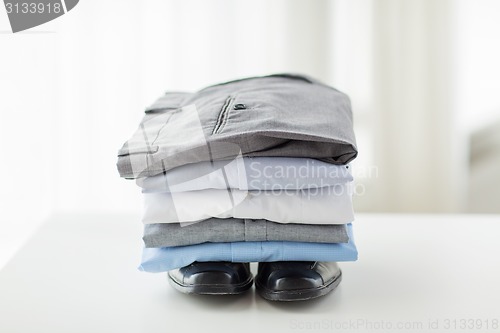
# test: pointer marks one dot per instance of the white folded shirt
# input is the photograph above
(249, 173)
(326, 205)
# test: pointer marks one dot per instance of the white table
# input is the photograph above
(424, 272)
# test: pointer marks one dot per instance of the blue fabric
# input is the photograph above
(163, 259)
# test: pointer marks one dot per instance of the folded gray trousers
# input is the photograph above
(240, 230)
(278, 115)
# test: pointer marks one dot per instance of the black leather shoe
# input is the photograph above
(296, 280)
(212, 278)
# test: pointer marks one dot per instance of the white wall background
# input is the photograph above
(422, 75)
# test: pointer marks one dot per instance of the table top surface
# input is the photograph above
(415, 273)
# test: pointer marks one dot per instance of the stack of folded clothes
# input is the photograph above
(253, 170)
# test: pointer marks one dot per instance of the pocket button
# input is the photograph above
(239, 106)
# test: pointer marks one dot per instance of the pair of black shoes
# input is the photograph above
(275, 281)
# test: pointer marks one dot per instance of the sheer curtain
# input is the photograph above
(418, 149)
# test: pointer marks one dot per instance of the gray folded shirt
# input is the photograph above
(240, 230)
(278, 115)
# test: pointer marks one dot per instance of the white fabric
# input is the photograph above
(249, 173)
(328, 205)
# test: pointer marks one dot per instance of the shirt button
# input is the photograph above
(239, 107)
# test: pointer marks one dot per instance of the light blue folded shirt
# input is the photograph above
(163, 259)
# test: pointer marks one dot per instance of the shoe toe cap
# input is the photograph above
(208, 273)
(212, 278)
(295, 283)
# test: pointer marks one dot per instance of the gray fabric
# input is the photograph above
(240, 230)
(279, 115)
